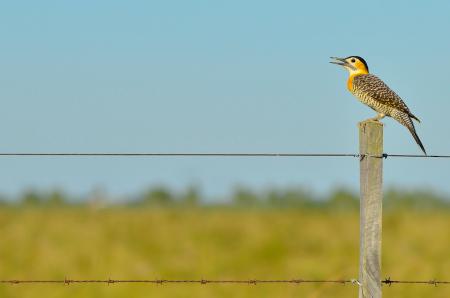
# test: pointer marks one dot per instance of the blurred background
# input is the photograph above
(202, 76)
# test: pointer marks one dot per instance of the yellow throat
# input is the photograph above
(353, 73)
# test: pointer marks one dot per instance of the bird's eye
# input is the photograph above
(353, 60)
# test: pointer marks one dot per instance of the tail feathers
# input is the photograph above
(414, 117)
(416, 137)
(405, 119)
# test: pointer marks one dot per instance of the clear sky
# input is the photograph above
(215, 76)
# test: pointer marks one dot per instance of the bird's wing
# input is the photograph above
(379, 91)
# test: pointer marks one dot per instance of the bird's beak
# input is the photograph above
(339, 61)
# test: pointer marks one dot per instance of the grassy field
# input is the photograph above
(78, 243)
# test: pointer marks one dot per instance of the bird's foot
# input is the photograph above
(376, 118)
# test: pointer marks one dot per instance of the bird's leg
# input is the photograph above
(377, 118)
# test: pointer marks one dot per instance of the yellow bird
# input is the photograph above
(372, 91)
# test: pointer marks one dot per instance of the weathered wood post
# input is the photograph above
(371, 176)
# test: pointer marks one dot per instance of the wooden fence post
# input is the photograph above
(371, 176)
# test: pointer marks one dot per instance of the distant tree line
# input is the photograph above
(242, 197)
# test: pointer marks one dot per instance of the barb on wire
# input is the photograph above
(388, 281)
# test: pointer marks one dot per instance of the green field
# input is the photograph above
(215, 243)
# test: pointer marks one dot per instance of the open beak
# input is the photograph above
(342, 62)
(339, 61)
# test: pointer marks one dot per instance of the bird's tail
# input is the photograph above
(414, 117)
(405, 120)
(416, 137)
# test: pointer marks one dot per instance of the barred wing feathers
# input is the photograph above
(375, 93)
(378, 91)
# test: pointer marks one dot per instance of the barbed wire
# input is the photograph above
(173, 281)
(149, 154)
(212, 154)
(388, 281)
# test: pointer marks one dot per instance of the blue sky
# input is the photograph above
(204, 76)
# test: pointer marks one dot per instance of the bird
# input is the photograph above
(373, 92)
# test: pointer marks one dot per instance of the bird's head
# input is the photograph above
(354, 64)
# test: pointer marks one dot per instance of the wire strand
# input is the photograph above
(124, 154)
(211, 154)
(68, 281)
